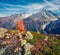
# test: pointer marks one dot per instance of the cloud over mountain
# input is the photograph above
(19, 6)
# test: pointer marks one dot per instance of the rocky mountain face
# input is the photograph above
(53, 27)
(8, 22)
(40, 22)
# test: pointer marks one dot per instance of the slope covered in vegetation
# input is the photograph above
(45, 45)
(14, 42)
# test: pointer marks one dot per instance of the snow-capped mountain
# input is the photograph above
(35, 22)
(25, 15)
(39, 21)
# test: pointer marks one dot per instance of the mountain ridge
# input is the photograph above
(35, 22)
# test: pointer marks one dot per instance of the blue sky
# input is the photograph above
(9, 7)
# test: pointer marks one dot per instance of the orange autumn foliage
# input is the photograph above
(20, 26)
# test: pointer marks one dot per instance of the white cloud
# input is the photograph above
(10, 5)
(34, 6)
(12, 12)
(3, 15)
(27, 8)
(13, 9)
(30, 8)
(51, 4)
(56, 1)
